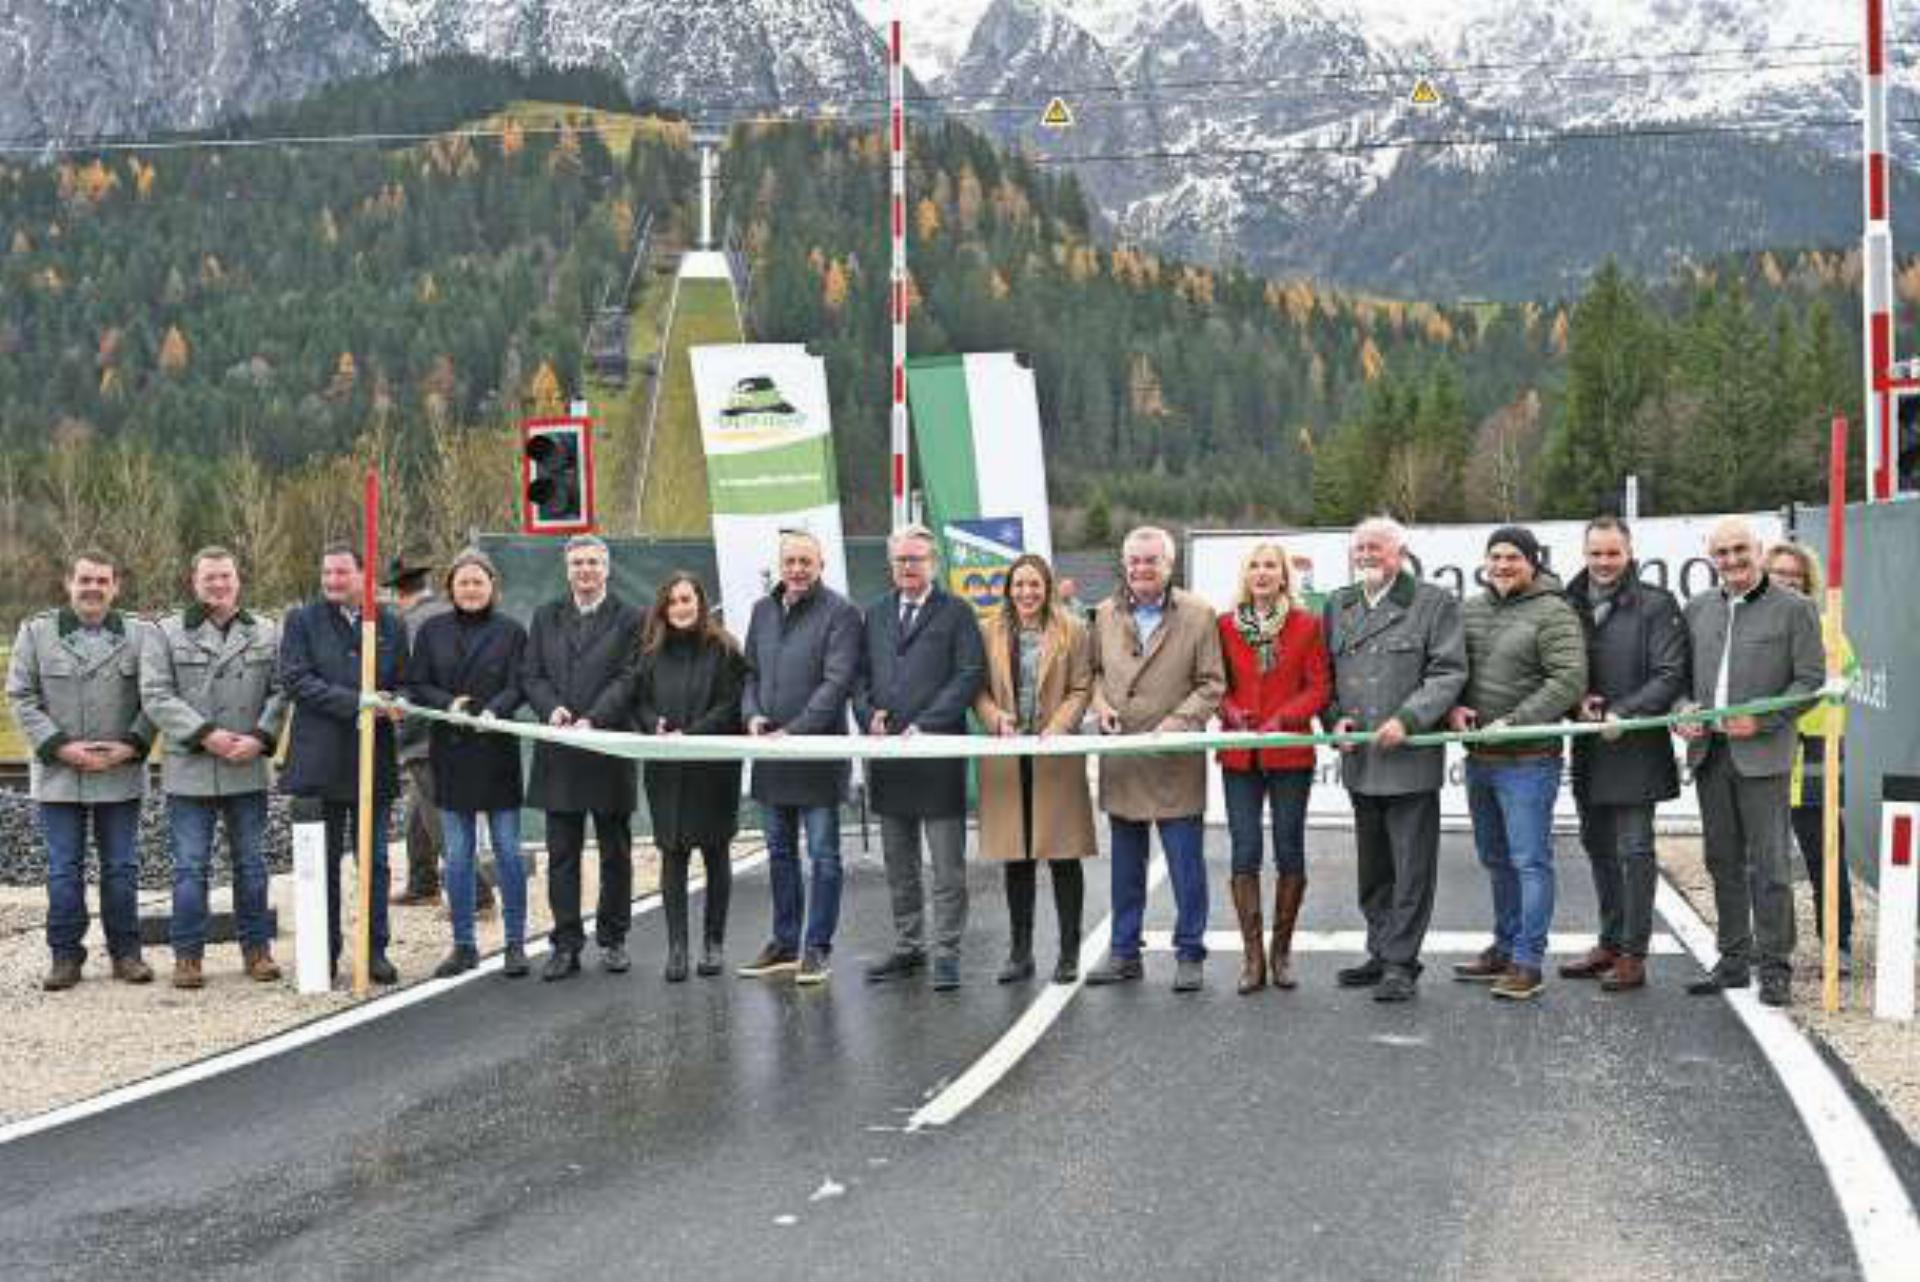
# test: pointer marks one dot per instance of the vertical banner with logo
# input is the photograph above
(976, 428)
(767, 431)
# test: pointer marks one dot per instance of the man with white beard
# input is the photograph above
(1399, 662)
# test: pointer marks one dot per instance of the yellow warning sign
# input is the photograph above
(1057, 115)
(1424, 94)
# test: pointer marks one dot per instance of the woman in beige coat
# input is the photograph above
(1033, 809)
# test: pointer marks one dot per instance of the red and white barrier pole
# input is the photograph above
(897, 293)
(1830, 839)
(1876, 260)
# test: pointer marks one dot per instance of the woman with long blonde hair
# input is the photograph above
(1036, 810)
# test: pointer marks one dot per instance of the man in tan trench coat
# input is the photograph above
(1157, 667)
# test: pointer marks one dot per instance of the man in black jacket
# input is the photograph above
(803, 655)
(578, 673)
(320, 672)
(1637, 655)
(924, 663)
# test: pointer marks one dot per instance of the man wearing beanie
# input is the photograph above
(1526, 665)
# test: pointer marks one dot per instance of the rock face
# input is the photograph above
(79, 69)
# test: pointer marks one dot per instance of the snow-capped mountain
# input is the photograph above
(88, 68)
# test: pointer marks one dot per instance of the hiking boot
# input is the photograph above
(1396, 985)
(1488, 967)
(132, 970)
(1599, 960)
(773, 960)
(259, 965)
(187, 974)
(561, 963)
(614, 959)
(1628, 973)
(1519, 984)
(898, 964)
(712, 960)
(1016, 971)
(462, 959)
(62, 975)
(514, 964)
(814, 968)
(1116, 970)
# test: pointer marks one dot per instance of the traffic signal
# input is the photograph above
(1906, 443)
(556, 476)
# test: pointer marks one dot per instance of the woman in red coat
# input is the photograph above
(1278, 678)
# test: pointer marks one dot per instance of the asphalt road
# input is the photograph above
(619, 1127)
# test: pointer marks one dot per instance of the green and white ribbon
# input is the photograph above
(944, 747)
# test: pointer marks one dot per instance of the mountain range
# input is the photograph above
(1448, 147)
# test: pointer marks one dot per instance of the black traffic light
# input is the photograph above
(556, 476)
(1906, 443)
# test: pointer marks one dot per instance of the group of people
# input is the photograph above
(1387, 658)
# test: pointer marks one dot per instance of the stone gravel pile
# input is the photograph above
(23, 859)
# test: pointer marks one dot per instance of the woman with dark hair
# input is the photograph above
(688, 681)
(1036, 809)
(468, 660)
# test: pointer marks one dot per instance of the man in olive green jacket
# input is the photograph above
(1526, 665)
(73, 683)
(209, 676)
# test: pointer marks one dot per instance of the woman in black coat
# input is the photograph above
(688, 681)
(468, 660)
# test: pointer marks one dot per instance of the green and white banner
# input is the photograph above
(976, 430)
(767, 430)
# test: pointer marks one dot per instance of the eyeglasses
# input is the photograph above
(911, 560)
(1730, 551)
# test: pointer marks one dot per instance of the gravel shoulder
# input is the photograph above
(63, 1047)
(1882, 1055)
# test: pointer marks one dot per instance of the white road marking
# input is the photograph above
(1465, 942)
(295, 1038)
(985, 1073)
(1879, 1214)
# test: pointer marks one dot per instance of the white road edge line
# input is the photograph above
(966, 1090)
(293, 1039)
(1465, 942)
(1879, 1214)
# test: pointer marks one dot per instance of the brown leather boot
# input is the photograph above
(1288, 894)
(132, 970)
(1628, 973)
(1246, 905)
(1599, 960)
(260, 966)
(64, 974)
(186, 973)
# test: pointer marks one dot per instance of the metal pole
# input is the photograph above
(1830, 722)
(369, 642)
(897, 119)
(1876, 259)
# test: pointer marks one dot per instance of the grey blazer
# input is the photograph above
(1405, 658)
(1777, 650)
(195, 679)
(58, 696)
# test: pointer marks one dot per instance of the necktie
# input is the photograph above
(907, 610)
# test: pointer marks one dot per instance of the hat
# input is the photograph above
(403, 567)
(1520, 539)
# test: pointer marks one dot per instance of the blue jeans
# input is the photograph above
(342, 843)
(190, 822)
(822, 824)
(1180, 841)
(1249, 793)
(116, 828)
(1512, 808)
(457, 828)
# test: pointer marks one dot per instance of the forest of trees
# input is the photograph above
(206, 343)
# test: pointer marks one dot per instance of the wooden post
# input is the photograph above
(369, 669)
(1830, 724)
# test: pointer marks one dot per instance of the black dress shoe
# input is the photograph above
(1365, 975)
(1017, 970)
(561, 962)
(1067, 969)
(614, 959)
(1776, 988)
(895, 965)
(381, 971)
(515, 964)
(1718, 980)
